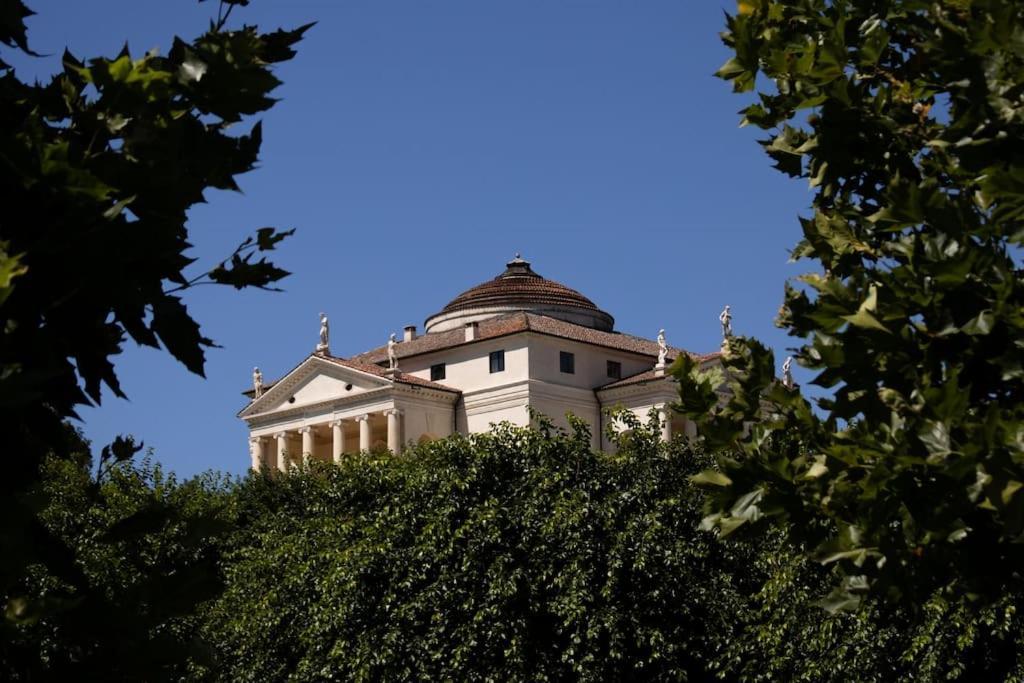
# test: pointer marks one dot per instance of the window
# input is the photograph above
(497, 361)
(615, 369)
(567, 362)
(436, 372)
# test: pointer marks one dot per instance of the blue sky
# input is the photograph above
(419, 145)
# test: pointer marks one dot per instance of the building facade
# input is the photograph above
(517, 343)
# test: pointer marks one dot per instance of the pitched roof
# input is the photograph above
(369, 368)
(513, 323)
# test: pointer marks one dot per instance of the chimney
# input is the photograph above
(471, 331)
(410, 333)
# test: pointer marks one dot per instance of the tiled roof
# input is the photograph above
(518, 286)
(369, 368)
(399, 377)
(513, 323)
(650, 376)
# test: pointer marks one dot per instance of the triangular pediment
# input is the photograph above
(315, 381)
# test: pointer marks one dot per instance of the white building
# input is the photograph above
(517, 341)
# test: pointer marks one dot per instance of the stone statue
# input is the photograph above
(324, 345)
(726, 319)
(662, 348)
(392, 353)
(787, 373)
(257, 382)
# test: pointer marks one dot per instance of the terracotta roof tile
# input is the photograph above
(513, 323)
(400, 377)
(369, 368)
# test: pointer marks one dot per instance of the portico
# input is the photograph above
(291, 424)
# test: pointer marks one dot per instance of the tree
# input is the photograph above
(98, 169)
(514, 555)
(147, 549)
(907, 118)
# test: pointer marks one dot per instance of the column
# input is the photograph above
(364, 432)
(665, 415)
(338, 441)
(257, 452)
(282, 451)
(394, 430)
(307, 444)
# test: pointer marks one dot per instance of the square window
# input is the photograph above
(497, 361)
(615, 369)
(436, 372)
(567, 362)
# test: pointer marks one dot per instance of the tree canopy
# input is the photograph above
(907, 119)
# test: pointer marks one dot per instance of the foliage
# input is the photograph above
(145, 551)
(518, 554)
(907, 118)
(98, 169)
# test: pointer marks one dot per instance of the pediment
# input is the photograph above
(314, 381)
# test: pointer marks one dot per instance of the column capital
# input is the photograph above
(393, 411)
(280, 435)
(257, 439)
(305, 430)
(362, 418)
(336, 423)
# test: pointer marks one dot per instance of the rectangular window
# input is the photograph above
(567, 362)
(436, 372)
(497, 361)
(615, 369)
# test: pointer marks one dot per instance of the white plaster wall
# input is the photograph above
(591, 362)
(467, 367)
(482, 421)
(323, 387)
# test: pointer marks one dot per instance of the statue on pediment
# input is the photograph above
(324, 345)
(787, 373)
(257, 382)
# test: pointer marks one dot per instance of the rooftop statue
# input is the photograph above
(726, 319)
(662, 348)
(392, 353)
(324, 345)
(787, 373)
(257, 382)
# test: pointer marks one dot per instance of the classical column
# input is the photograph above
(257, 452)
(307, 444)
(338, 440)
(665, 415)
(282, 451)
(364, 432)
(394, 430)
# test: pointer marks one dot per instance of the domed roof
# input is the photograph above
(519, 288)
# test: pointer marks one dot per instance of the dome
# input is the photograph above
(519, 288)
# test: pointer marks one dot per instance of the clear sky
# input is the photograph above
(419, 145)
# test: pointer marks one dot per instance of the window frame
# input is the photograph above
(567, 362)
(496, 358)
(618, 369)
(437, 376)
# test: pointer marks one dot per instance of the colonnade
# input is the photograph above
(259, 450)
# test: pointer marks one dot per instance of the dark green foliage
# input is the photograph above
(98, 169)
(144, 551)
(907, 118)
(508, 556)
(522, 555)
